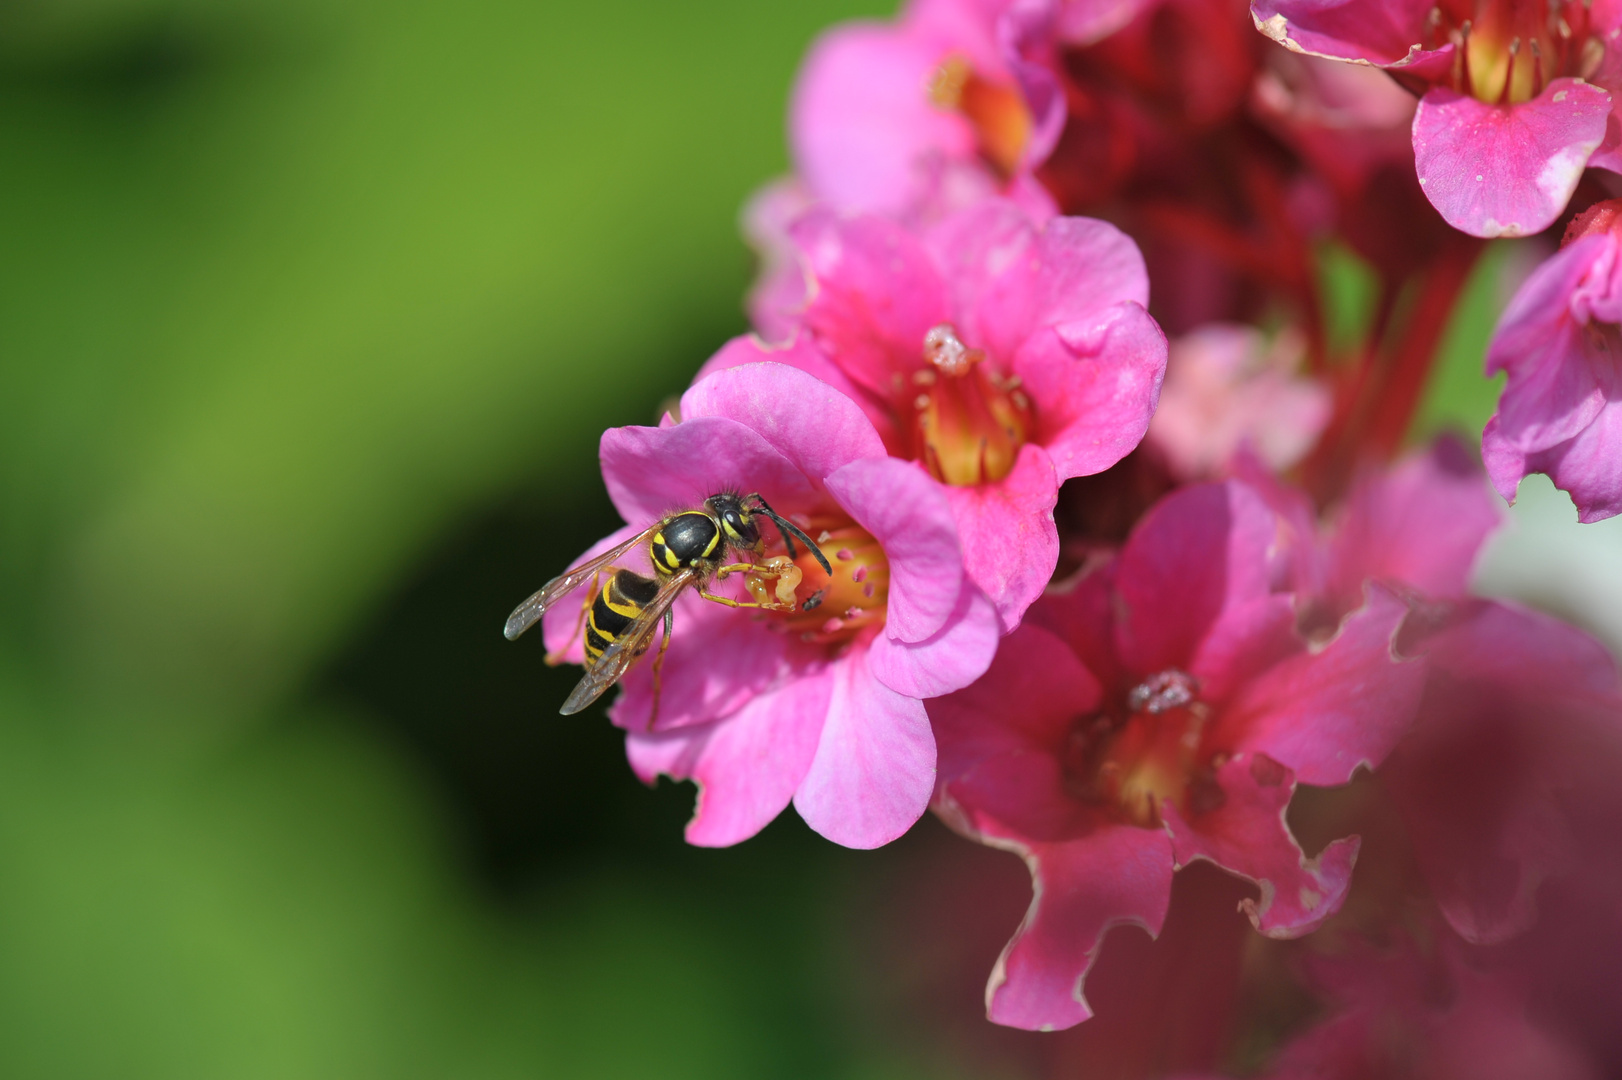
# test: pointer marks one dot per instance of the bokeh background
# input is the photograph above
(310, 316)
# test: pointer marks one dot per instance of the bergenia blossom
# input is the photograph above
(1560, 341)
(1229, 386)
(951, 102)
(1160, 711)
(1001, 355)
(1518, 95)
(824, 705)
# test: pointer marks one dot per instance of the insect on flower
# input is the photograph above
(687, 548)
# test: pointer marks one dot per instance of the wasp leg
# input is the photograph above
(658, 666)
(779, 569)
(552, 659)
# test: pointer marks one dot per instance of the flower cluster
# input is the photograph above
(1123, 583)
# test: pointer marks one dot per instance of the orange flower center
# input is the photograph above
(968, 422)
(1507, 51)
(833, 610)
(1130, 763)
(995, 110)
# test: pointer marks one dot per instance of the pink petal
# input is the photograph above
(908, 515)
(1194, 555)
(864, 132)
(563, 624)
(1507, 170)
(952, 658)
(799, 351)
(1245, 641)
(1077, 270)
(1010, 541)
(1325, 712)
(779, 292)
(876, 295)
(1584, 466)
(1422, 524)
(874, 767)
(1247, 835)
(809, 422)
(1381, 32)
(651, 471)
(1116, 875)
(1095, 385)
(1082, 22)
(747, 766)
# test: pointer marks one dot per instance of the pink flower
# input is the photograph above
(822, 706)
(1228, 386)
(1159, 712)
(1517, 94)
(1003, 356)
(1560, 341)
(951, 102)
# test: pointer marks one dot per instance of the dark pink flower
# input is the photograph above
(1161, 711)
(1003, 356)
(1517, 94)
(820, 706)
(1560, 341)
(949, 103)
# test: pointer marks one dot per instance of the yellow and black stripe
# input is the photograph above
(687, 540)
(621, 600)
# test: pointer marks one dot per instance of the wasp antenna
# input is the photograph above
(788, 529)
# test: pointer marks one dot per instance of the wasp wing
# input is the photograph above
(630, 644)
(528, 613)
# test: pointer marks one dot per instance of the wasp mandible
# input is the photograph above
(687, 549)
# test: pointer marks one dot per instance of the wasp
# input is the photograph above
(688, 549)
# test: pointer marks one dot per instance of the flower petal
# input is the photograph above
(1246, 835)
(874, 767)
(1507, 170)
(956, 655)
(652, 471)
(908, 515)
(1010, 541)
(1115, 875)
(747, 766)
(876, 293)
(563, 625)
(802, 353)
(809, 422)
(1194, 555)
(1324, 713)
(1096, 385)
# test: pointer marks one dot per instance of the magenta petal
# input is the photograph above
(1010, 541)
(809, 422)
(562, 624)
(1324, 713)
(876, 294)
(874, 767)
(1246, 835)
(1382, 32)
(747, 766)
(1507, 170)
(650, 471)
(1422, 523)
(1244, 642)
(802, 353)
(956, 655)
(908, 515)
(1096, 384)
(863, 130)
(1194, 555)
(1116, 875)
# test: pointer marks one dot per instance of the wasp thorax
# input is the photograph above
(969, 422)
(1507, 51)
(1152, 752)
(993, 108)
(832, 610)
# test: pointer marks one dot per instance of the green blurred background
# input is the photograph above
(311, 315)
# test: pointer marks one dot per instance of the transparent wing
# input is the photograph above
(618, 657)
(528, 613)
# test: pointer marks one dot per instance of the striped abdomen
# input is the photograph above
(621, 600)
